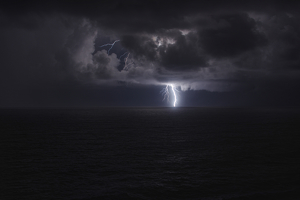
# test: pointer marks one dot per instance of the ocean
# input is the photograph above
(150, 153)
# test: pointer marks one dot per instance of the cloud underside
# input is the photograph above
(212, 49)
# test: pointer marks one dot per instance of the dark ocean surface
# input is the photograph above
(150, 153)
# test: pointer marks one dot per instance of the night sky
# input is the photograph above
(216, 53)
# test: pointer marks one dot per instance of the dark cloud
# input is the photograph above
(178, 53)
(236, 34)
(285, 32)
(184, 54)
(140, 46)
(215, 45)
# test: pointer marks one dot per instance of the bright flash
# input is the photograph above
(175, 99)
(165, 92)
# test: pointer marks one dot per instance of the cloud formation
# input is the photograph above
(199, 46)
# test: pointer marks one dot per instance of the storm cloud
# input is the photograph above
(214, 46)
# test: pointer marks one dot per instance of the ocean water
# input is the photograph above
(150, 153)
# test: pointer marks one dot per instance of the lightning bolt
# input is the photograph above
(175, 99)
(125, 60)
(112, 45)
(123, 55)
(166, 94)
